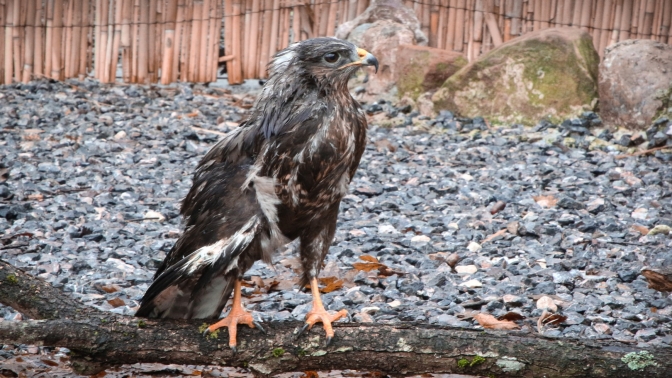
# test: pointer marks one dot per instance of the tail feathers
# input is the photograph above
(199, 285)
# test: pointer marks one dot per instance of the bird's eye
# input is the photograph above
(331, 57)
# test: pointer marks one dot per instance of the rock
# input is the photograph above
(392, 10)
(382, 39)
(425, 105)
(548, 73)
(423, 68)
(635, 83)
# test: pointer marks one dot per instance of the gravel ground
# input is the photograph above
(92, 177)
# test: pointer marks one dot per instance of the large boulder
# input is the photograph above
(423, 68)
(635, 83)
(550, 73)
(393, 10)
(382, 39)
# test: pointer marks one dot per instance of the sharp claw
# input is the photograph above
(234, 349)
(349, 317)
(206, 332)
(303, 329)
(329, 338)
(258, 325)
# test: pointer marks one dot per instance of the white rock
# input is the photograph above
(395, 303)
(386, 229)
(472, 283)
(466, 269)
(420, 239)
(474, 247)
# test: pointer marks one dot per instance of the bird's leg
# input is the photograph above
(318, 313)
(236, 316)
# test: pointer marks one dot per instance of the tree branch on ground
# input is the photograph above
(99, 340)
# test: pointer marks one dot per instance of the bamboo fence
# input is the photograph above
(149, 41)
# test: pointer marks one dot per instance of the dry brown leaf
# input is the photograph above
(641, 229)
(367, 267)
(659, 279)
(310, 374)
(49, 362)
(511, 316)
(501, 232)
(36, 197)
(332, 286)
(116, 302)
(545, 201)
(368, 258)
(554, 319)
(490, 322)
(197, 373)
(110, 288)
(386, 271)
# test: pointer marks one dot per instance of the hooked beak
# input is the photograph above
(367, 59)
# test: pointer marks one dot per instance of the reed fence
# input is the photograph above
(147, 41)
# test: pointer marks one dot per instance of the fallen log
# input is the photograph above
(99, 340)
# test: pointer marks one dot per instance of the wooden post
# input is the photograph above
(169, 43)
(265, 43)
(116, 40)
(67, 38)
(516, 17)
(477, 32)
(16, 40)
(667, 22)
(9, 20)
(441, 28)
(459, 26)
(177, 41)
(234, 69)
(658, 20)
(252, 70)
(605, 26)
(2, 41)
(56, 69)
(214, 39)
(275, 24)
(143, 44)
(452, 18)
(331, 19)
(84, 40)
(491, 21)
(29, 52)
(75, 50)
(109, 43)
(352, 8)
(585, 15)
(125, 43)
(433, 11)
(284, 38)
(616, 22)
(186, 41)
(648, 20)
(296, 21)
(626, 18)
(203, 40)
(152, 42)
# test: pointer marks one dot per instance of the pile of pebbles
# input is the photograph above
(92, 177)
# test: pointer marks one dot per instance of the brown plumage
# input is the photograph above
(280, 176)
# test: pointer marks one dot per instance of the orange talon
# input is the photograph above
(236, 316)
(319, 314)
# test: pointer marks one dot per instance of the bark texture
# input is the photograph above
(99, 340)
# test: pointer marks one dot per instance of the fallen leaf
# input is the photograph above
(196, 372)
(110, 288)
(659, 279)
(547, 303)
(549, 318)
(258, 281)
(384, 144)
(367, 267)
(490, 322)
(545, 201)
(49, 362)
(116, 302)
(497, 207)
(310, 374)
(368, 258)
(386, 271)
(641, 229)
(39, 197)
(511, 316)
(501, 232)
(332, 283)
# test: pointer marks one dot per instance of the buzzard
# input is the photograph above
(280, 176)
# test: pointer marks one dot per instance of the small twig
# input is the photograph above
(640, 153)
(141, 219)
(202, 130)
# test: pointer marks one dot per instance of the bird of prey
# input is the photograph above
(280, 176)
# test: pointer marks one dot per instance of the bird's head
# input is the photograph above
(328, 61)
